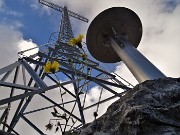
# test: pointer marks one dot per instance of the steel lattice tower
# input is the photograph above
(79, 73)
(65, 32)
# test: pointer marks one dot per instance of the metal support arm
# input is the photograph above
(140, 66)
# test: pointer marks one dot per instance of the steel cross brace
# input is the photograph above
(91, 78)
(11, 94)
(32, 125)
(22, 100)
(61, 86)
(38, 81)
(14, 98)
(103, 101)
(61, 107)
(17, 86)
(9, 67)
(92, 66)
(44, 108)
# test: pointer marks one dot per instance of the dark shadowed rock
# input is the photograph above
(5, 133)
(152, 108)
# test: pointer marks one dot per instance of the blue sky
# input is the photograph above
(33, 23)
(26, 23)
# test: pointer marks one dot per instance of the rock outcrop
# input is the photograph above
(151, 108)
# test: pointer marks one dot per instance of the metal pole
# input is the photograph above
(140, 66)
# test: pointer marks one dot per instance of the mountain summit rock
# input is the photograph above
(151, 108)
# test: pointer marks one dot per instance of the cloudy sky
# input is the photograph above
(25, 24)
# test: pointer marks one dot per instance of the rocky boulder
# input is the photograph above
(151, 108)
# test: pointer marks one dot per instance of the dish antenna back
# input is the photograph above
(114, 35)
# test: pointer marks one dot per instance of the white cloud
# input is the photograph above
(27, 44)
(8, 43)
(34, 6)
(11, 39)
(12, 42)
(14, 13)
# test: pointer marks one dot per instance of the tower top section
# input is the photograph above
(59, 8)
(65, 32)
